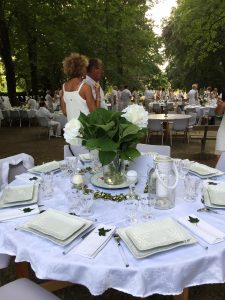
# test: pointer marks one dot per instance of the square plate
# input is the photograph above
(203, 170)
(17, 203)
(188, 239)
(57, 224)
(46, 168)
(18, 193)
(87, 224)
(158, 233)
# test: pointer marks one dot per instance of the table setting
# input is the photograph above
(150, 235)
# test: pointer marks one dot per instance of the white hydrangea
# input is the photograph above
(137, 115)
(72, 132)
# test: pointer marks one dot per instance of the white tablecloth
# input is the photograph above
(166, 273)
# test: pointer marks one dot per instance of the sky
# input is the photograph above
(160, 11)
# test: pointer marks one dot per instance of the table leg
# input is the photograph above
(183, 296)
(203, 141)
(22, 269)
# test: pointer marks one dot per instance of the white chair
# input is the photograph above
(221, 163)
(4, 261)
(154, 126)
(14, 165)
(192, 120)
(71, 150)
(25, 289)
(161, 149)
(43, 123)
(180, 125)
(141, 165)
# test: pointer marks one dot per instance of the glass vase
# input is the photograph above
(114, 172)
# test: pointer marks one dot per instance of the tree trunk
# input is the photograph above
(5, 51)
(32, 55)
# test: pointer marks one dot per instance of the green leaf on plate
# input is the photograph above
(193, 220)
(102, 231)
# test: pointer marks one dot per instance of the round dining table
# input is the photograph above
(166, 273)
(168, 117)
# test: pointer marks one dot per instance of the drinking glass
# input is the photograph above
(74, 198)
(63, 168)
(184, 167)
(86, 203)
(190, 188)
(131, 209)
(146, 206)
(46, 186)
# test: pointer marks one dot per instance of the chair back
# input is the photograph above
(156, 108)
(189, 110)
(15, 170)
(4, 261)
(14, 114)
(160, 149)
(72, 150)
(221, 163)
(180, 125)
(155, 125)
(141, 165)
(24, 114)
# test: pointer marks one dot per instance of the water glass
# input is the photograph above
(74, 198)
(190, 188)
(46, 186)
(146, 206)
(131, 209)
(86, 203)
(63, 167)
(71, 164)
(184, 167)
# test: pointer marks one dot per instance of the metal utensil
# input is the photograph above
(122, 253)
(207, 209)
(78, 241)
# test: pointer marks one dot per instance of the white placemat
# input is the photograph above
(203, 229)
(45, 168)
(17, 193)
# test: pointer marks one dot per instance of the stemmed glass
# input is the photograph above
(131, 203)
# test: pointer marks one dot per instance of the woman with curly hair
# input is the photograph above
(77, 95)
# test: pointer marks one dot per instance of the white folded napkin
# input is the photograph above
(28, 178)
(13, 213)
(202, 169)
(216, 193)
(48, 167)
(95, 241)
(17, 193)
(203, 229)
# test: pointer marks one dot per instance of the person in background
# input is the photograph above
(76, 93)
(49, 100)
(220, 138)
(135, 95)
(5, 103)
(125, 97)
(114, 97)
(32, 104)
(93, 77)
(43, 112)
(149, 97)
(193, 95)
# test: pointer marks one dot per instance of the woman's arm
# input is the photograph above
(63, 104)
(86, 93)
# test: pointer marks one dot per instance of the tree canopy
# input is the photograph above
(39, 34)
(194, 38)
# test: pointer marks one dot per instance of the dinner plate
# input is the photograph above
(18, 193)
(57, 224)
(51, 166)
(17, 203)
(97, 180)
(87, 224)
(206, 201)
(204, 171)
(187, 240)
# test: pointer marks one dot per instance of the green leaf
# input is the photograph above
(102, 231)
(130, 154)
(106, 157)
(27, 209)
(193, 220)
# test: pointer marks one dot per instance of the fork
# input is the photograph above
(122, 253)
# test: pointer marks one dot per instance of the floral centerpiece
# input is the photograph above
(114, 134)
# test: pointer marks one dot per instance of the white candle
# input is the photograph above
(132, 176)
(78, 179)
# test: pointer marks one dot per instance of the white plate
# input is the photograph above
(57, 224)
(155, 234)
(203, 170)
(51, 166)
(17, 193)
(32, 201)
(207, 202)
(87, 224)
(188, 239)
(219, 173)
(97, 180)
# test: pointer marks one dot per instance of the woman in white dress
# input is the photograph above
(220, 138)
(76, 95)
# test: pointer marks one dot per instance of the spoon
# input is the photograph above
(206, 209)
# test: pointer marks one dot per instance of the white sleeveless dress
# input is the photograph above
(220, 138)
(74, 103)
